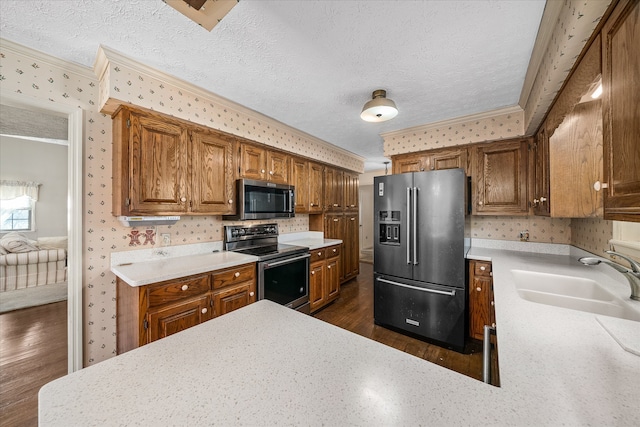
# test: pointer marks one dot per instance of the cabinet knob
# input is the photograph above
(251, 294)
(261, 170)
(204, 310)
(493, 303)
(270, 172)
(483, 268)
(480, 203)
(319, 253)
(237, 274)
(313, 272)
(335, 250)
(311, 204)
(183, 199)
(600, 185)
(493, 325)
(535, 202)
(479, 289)
(185, 287)
(335, 205)
(335, 220)
(329, 267)
(353, 219)
(230, 201)
(491, 273)
(543, 199)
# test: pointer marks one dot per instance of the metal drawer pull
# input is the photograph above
(237, 274)
(185, 287)
(431, 291)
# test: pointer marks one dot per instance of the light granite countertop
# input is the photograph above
(266, 365)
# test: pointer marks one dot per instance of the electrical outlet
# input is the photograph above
(524, 236)
(166, 239)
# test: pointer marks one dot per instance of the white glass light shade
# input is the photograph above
(379, 109)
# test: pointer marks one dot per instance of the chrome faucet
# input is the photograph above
(633, 275)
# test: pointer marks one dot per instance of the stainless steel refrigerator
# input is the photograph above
(420, 247)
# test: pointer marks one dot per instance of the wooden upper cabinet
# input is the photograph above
(252, 162)
(414, 162)
(316, 187)
(149, 168)
(540, 188)
(212, 173)
(501, 178)
(300, 180)
(351, 190)
(575, 163)
(261, 164)
(164, 167)
(621, 108)
(450, 158)
(333, 189)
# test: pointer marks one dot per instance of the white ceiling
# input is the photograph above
(310, 64)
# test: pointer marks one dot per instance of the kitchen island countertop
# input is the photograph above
(265, 365)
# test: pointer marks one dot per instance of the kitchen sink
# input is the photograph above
(575, 293)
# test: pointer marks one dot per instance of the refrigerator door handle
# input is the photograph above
(431, 291)
(415, 225)
(408, 225)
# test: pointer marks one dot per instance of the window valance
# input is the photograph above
(14, 189)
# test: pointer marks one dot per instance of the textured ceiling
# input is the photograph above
(310, 64)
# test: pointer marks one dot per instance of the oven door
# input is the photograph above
(285, 281)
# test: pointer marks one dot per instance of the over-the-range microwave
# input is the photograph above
(263, 200)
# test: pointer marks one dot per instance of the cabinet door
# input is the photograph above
(316, 187)
(177, 317)
(333, 189)
(411, 163)
(278, 167)
(253, 162)
(448, 159)
(350, 190)
(541, 197)
(575, 163)
(333, 278)
(232, 298)
(300, 180)
(479, 300)
(351, 253)
(212, 173)
(317, 292)
(621, 86)
(157, 166)
(501, 177)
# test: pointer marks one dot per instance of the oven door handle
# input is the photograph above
(286, 261)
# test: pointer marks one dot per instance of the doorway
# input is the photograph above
(74, 230)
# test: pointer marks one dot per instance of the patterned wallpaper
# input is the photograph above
(540, 229)
(36, 75)
(591, 234)
(446, 134)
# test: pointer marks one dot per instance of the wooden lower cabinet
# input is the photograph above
(481, 306)
(324, 276)
(151, 312)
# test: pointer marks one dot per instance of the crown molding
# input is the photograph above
(516, 109)
(68, 66)
(107, 56)
(548, 24)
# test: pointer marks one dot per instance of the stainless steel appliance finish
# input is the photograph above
(420, 246)
(263, 200)
(282, 270)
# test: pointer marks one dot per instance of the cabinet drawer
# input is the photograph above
(178, 290)
(232, 276)
(333, 251)
(318, 254)
(482, 268)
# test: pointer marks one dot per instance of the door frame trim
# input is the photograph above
(75, 117)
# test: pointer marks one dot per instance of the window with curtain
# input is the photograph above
(17, 205)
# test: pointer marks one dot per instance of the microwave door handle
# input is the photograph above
(408, 244)
(292, 201)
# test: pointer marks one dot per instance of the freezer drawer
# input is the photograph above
(429, 311)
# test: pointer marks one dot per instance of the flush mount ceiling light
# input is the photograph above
(379, 108)
(207, 13)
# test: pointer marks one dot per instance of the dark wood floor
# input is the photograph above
(33, 352)
(353, 311)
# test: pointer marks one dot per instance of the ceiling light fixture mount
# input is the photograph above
(379, 108)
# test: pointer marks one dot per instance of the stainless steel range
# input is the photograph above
(282, 270)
